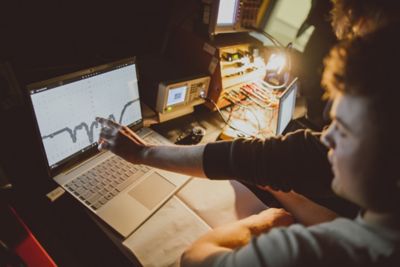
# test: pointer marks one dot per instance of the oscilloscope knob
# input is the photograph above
(202, 94)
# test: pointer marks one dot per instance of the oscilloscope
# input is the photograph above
(178, 98)
(169, 89)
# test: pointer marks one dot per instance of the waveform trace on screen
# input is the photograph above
(89, 129)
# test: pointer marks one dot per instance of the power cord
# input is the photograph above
(240, 105)
(224, 119)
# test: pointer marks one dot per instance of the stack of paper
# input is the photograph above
(199, 206)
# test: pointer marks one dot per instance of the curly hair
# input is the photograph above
(366, 66)
(347, 13)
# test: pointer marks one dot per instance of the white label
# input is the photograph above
(209, 49)
(55, 194)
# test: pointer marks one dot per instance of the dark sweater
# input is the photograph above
(297, 161)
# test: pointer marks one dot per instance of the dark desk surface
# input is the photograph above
(64, 228)
(209, 120)
(203, 117)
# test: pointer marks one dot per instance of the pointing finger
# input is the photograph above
(103, 145)
(109, 131)
(107, 123)
(106, 144)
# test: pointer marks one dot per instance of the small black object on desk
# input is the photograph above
(194, 136)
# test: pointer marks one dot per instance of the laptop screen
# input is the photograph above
(287, 104)
(66, 107)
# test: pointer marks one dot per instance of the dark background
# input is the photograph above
(55, 36)
(44, 39)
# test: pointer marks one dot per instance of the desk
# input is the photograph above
(203, 117)
(247, 118)
(70, 233)
(210, 121)
(199, 206)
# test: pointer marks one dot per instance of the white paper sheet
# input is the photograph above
(161, 240)
(220, 202)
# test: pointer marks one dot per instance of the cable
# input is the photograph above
(269, 36)
(230, 109)
(226, 121)
(239, 104)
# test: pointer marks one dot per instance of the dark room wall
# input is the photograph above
(50, 37)
(46, 38)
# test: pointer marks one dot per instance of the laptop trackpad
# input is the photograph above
(152, 190)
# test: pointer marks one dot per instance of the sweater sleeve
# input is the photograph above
(281, 247)
(340, 242)
(291, 162)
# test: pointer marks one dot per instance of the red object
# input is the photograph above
(30, 250)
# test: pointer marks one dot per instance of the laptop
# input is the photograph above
(122, 194)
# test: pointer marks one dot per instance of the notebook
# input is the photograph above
(122, 194)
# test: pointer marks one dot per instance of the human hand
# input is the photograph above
(239, 233)
(267, 219)
(121, 140)
(303, 209)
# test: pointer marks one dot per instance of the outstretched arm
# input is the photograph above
(304, 210)
(234, 235)
(123, 142)
(296, 161)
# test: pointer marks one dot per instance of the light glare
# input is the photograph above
(276, 63)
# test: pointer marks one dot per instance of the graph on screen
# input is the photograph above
(89, 129)
(66, 114)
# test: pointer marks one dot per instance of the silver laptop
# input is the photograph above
(124, 195)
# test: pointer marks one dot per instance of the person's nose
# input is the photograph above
(327, 137)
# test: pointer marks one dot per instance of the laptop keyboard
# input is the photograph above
(100, 184)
